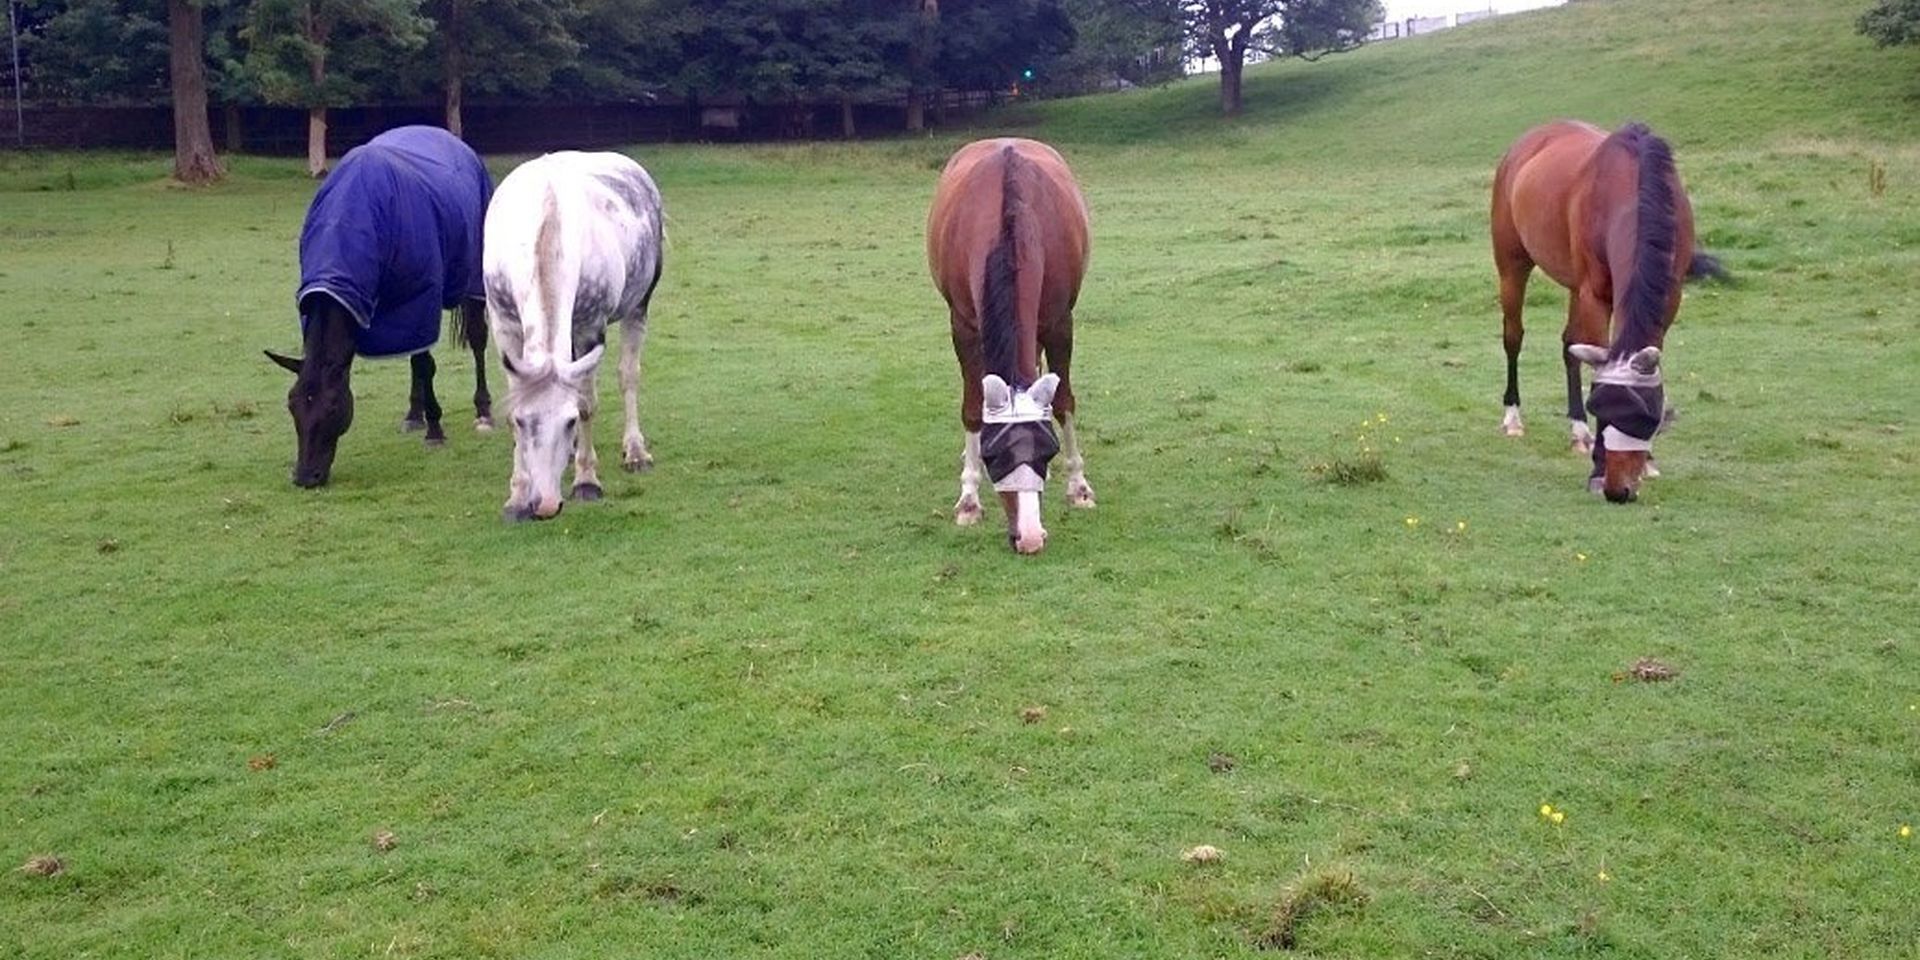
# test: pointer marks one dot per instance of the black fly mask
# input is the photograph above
(1006, 447)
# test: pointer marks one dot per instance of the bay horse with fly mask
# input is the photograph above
(1606, 216)
(391, 239)
(1007, 242)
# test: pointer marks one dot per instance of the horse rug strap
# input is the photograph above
(1016, 454)
(394, 236)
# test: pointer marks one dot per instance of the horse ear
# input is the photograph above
(1042, 391)
(995, 389)
(1588, 353)
(1647, 361)
(577, 370)
(287, 362)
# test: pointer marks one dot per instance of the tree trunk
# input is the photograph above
(193, 158)
(453, 104)
(1230, 87)
(317, 113)
(317, 142)
(918, 60)
(454, 65)
(846, 118)
(1232, 52)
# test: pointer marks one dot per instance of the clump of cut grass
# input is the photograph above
(1356, 471)
(1335, 891)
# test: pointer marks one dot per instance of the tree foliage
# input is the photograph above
(1892, 22)
(1233, 32)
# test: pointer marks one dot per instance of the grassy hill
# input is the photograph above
(1714, 74)
(767, 702)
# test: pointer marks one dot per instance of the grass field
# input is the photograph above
(767, 701)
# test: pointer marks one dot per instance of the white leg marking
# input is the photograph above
(633, 446)
(1079, 491)
(966, 512)
(1582, 436)
(1511, 425)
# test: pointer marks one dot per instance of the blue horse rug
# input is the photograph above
(394, 236)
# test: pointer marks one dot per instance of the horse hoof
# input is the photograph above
(967, 512)
(587, 492)
(1080, 495)
(1513, 430)
(410, 425)
(483, 424)
(1582, 447)
(641, 465)
(433, 441)
(515, 514)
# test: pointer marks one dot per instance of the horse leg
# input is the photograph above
(423, 368)
(966, 510)
(1587, 315)
(1059, 358)
(473, 317)
(586, 462)
(416, 418)
(1513, 298)
(634, 457)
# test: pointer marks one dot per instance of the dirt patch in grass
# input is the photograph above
(1333, 891)
(43, 865)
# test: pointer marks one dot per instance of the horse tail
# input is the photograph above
(1656, 226)
(1000, 314)
(466, 325)
(1706, 266)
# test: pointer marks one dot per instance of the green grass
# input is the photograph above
(767, 702)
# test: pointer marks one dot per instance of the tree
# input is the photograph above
(499, 45)
(193, 157)
(311, 53)
(1892, 22)
(1228, 30)
(95, 51)
(1117, 43)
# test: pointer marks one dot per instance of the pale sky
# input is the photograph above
(1402, 9)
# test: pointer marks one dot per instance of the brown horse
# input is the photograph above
(1007, 241)
(1606, 217)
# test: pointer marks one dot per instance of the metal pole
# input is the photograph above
(19, 112)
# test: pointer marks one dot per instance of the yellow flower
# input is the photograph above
(1546, 809)
(1413, 521)
(1580, 557)
(1381, 417)
(1905, 831)
(1604, 875)
(1558, 817)
(1461, 526)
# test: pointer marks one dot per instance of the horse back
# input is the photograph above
(573, 239)
(970, 216)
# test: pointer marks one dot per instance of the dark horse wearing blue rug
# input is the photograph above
(391, 240)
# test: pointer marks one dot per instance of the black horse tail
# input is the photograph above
(1000, 311)
(467, 323)
(1706, 266)
(1656, 228)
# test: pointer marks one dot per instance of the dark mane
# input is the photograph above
(1650, 287)
(999, 313)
